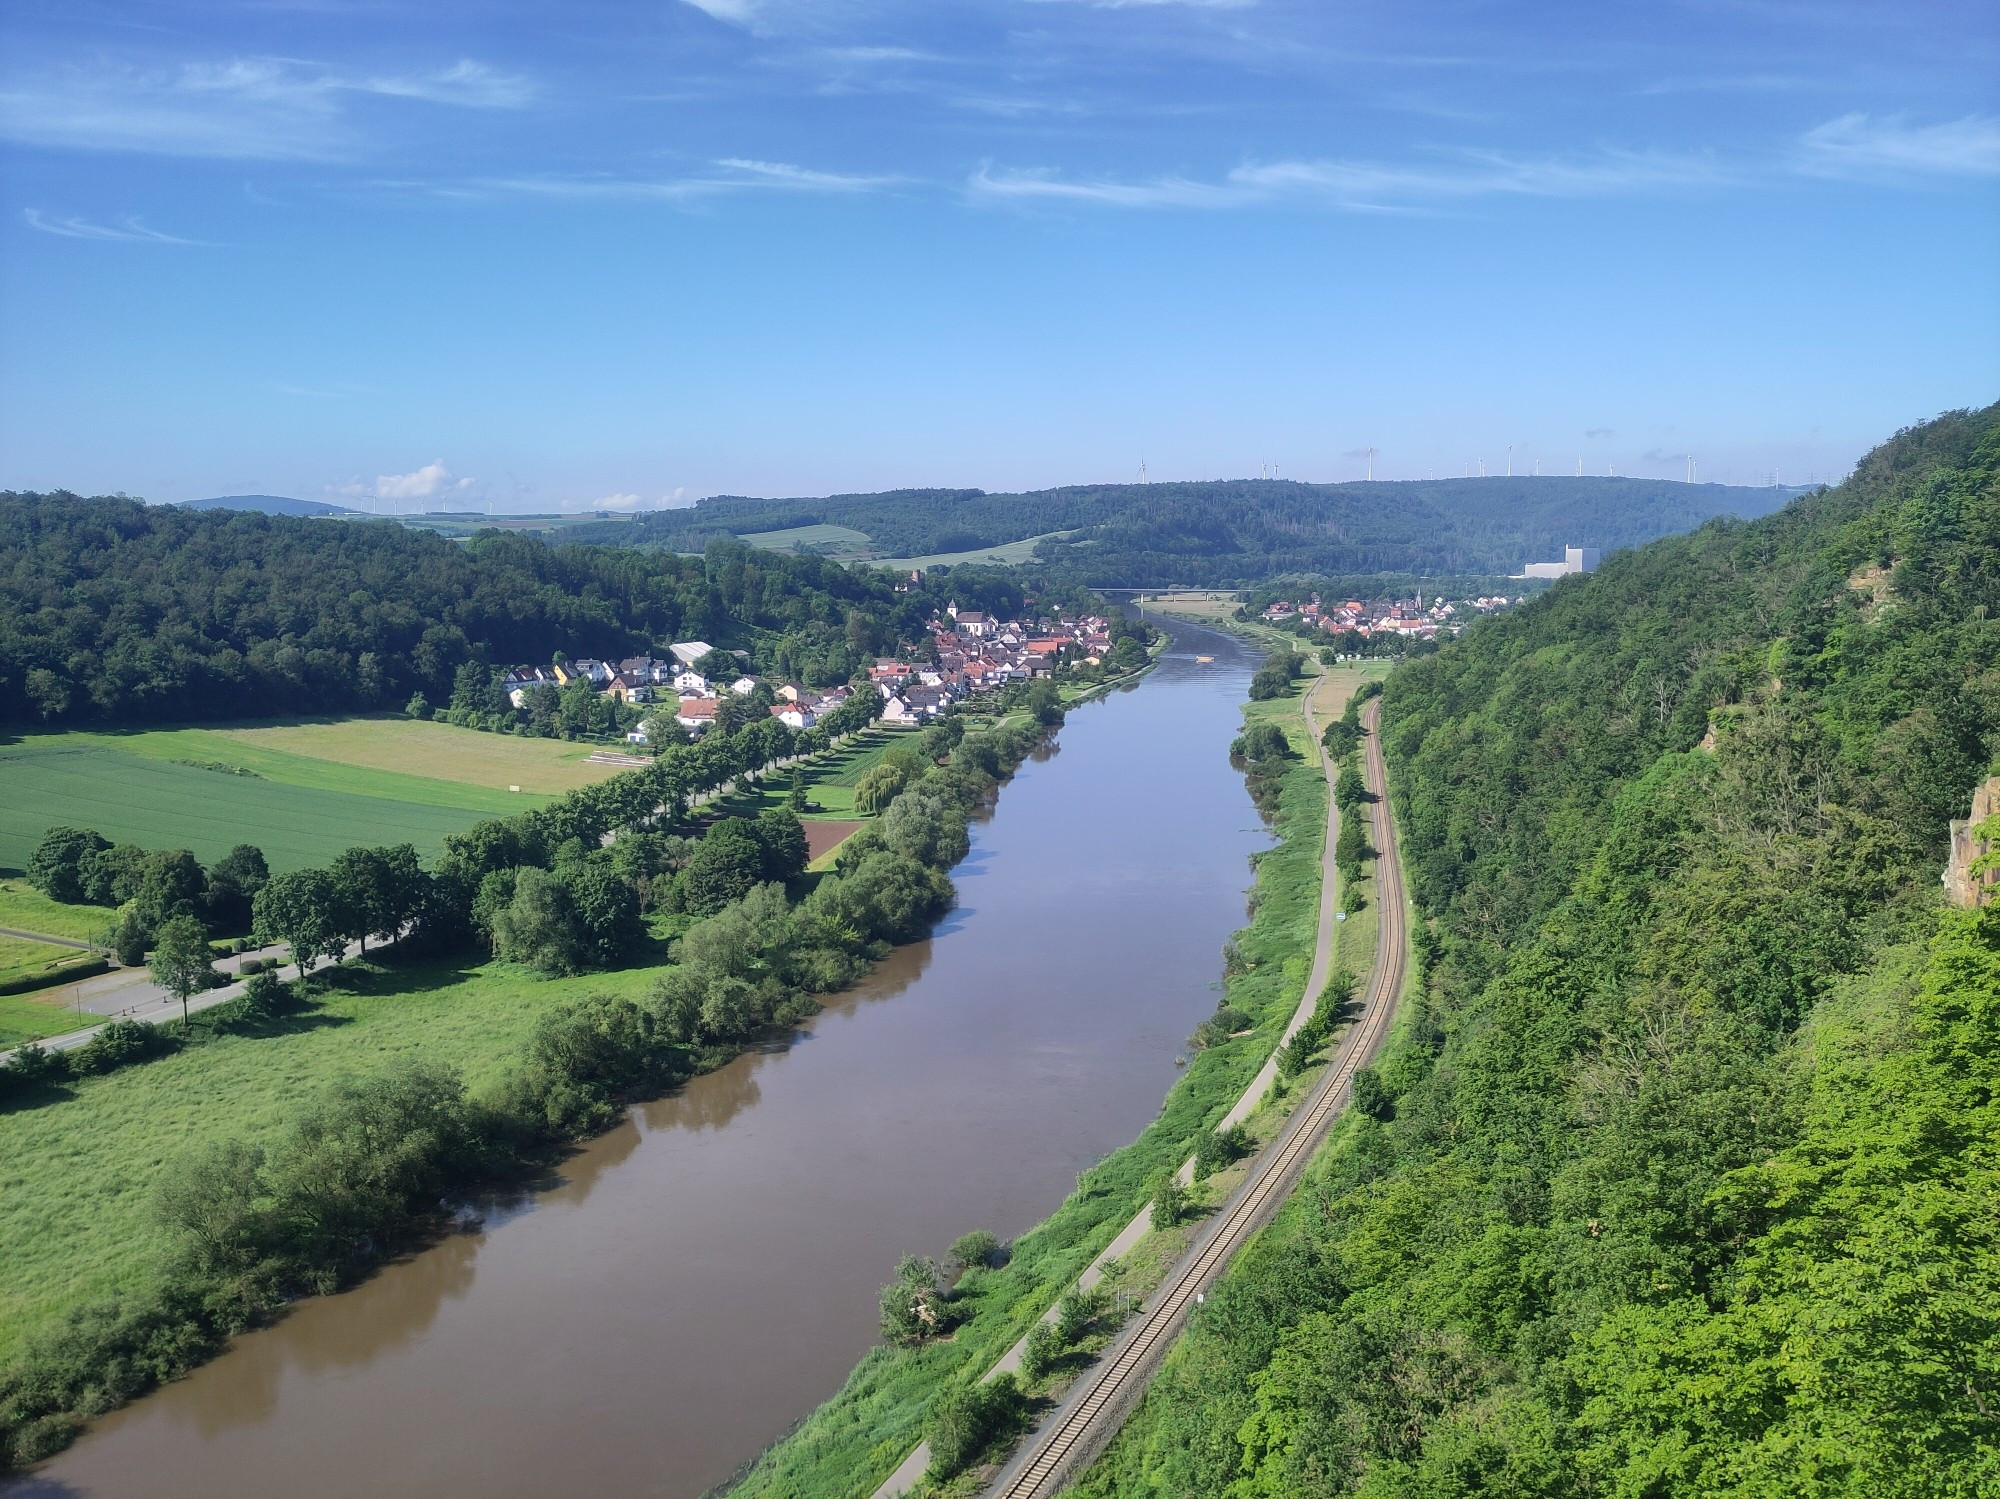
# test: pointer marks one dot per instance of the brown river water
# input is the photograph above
(705, 1274)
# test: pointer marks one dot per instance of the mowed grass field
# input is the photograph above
(76, 1175)
(23, 957)
(31, 1016)
(26, 909)
(841, 542)
(434, 751)
(1009, 552)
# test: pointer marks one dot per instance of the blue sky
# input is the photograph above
(536, 257)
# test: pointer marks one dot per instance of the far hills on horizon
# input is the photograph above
(1213, 533)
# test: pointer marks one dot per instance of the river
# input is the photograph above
(705, 1274)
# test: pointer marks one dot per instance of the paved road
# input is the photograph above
(10, 931)
(1100, 1401)
(131, 994)
(912, 1467)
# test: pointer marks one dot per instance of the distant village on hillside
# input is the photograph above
(1413, 619)
(1410, 619)
(970, 653)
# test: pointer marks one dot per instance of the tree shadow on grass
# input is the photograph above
(39, 1095)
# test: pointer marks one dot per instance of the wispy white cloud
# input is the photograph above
(1364, 185)
(733, 174)
(471, 85)
(1728, 83)
(731, 12)
(798, 179)
(249, 108)
(75, 228)
(1139, 4)
(1037, 184)
(1862, 145)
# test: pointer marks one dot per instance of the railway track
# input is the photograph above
(1095, 1409)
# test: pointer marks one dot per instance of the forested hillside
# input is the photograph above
(1685, 1178)
(1238, 531)
(114, 611)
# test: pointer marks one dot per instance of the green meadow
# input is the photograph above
(26, 909)
(319, 810)
(76, 1173)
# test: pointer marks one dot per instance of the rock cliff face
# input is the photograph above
(1962, 886)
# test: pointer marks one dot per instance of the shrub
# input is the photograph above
(265, 995)
(1274, 678)
(1077, 1313)
(1370, 1096)
(120, 1044)
(1215, 1149)
(1219, 1027)
(965, 1422)
(975, 1251)
(1170, 1201)
(1043, 1348)
(586, 1059)
(913, 1304)
(32, 1067)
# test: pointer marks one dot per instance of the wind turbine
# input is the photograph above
(1510, 460)
(1579, 465)
(1371, 465)
(1142, 469)
(1690, 468)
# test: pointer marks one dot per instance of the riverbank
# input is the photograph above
(103, 1299)
(879, 1415)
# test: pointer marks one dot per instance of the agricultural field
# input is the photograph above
(1010, 552)
(76, 1175)
(843, 543)
(430, 751)
(162, 804)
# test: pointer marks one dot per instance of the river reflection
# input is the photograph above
(695, 1280)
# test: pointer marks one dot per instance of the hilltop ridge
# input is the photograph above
(1218, 533)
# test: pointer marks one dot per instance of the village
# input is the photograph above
(690, 688)
(1410, 619)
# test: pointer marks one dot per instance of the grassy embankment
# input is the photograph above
(32, 966)
(852, 1442)
(75, 1221)
(75, 1226)
(1120, 1471)
(76, 1174)
(302, 792)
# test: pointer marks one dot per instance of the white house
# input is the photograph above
(794, 715)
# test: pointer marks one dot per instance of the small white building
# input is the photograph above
(688, 652)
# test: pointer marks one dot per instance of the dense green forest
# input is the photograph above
(1228, 533)
(1681, 1177)
(114, 611)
